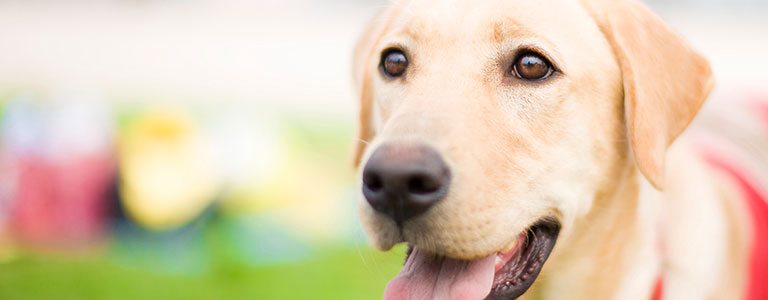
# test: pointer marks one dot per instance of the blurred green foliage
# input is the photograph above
(340, 273)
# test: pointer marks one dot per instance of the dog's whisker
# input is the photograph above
(363, 141)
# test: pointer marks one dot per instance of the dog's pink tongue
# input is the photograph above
(426, 277)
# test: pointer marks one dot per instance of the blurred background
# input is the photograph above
(200, 149)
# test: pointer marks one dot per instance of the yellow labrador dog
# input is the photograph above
(522, 149)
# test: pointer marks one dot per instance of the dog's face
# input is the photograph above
(481, 120)
(518, 149)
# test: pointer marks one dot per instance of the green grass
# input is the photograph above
(331, 274)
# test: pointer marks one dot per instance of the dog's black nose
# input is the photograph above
(404, 181)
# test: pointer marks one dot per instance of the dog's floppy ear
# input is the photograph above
(363, 57)
(665, 81)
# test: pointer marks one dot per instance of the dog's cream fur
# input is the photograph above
(587, 146)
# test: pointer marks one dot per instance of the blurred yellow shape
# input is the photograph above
(168, 177)
(306, 194)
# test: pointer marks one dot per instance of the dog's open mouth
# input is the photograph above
(503, 275)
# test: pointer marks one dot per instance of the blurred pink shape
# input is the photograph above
(61, 204)
(61, 160)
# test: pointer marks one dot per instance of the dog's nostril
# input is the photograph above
(422, 184)
(373, 182)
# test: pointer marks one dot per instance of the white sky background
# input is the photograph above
(292, 52)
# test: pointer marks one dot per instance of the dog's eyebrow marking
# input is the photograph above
(498, 31)
(415, 29)
(504, 28)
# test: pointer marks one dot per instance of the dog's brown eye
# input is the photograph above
(394, 63)
(531, 66)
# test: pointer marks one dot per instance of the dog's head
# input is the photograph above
(485, 126)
